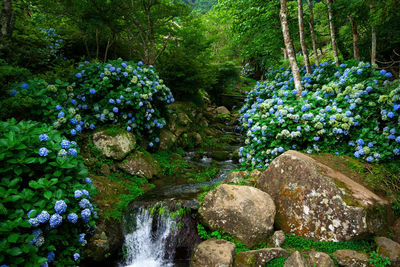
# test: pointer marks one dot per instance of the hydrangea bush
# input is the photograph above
(45, 208)
(351, 110)
(121, 92)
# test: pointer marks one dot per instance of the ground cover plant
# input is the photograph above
(347, 110)
(46, 208)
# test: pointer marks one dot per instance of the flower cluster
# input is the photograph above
(121, 92)
(351, 110)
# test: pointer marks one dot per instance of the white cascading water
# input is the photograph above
(146, 247)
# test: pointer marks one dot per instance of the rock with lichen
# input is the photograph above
(315, 201)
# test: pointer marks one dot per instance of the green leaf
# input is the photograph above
(48, 194)
(14, 251)
(13, 238)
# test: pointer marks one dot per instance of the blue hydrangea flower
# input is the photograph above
(72, 218)
(72, 152)
(34, 222)
(151, 144)
(115, 109)
(31, 213)
(51, 256)
(88, 180)
(128, 128)
(85, 215)
(43, 152)
(43, 217)
(111, 101)
(388, 75)
(55, 220)
(157, 140)
(91, 126)
(60, 206)
(43, 137)
(78, 75)
(62, 153)
(84, 203)
(44, 264)
(61, 114)
(73, 132)
(13, 92)
(76, 256)
(92, 91)
(78, 193)
(81, 238)
(65, 144)
(58, 107)
(85, 192)
(24, 86)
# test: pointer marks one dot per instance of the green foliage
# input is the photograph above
(169, 164)
(277, 262)
(377, 260)
(37, 171)
(300, 243)
(206, 174)
(185, 65)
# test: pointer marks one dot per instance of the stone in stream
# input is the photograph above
(140, 164)
(259, 257)
(351, 258)
(213, 253)
(295, 260)
(388, 248)
(114, 146)
(277, 239)
(244, 212)
(315, 201)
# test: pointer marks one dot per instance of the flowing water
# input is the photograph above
(150, 239)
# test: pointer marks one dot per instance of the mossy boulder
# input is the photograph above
(388, 248)
(141, 164)
(167, 139)
(315, 201)
(320, 259)
(259, 257)
(352, 258)
(213, 252)
(115, 146)
(244, 212)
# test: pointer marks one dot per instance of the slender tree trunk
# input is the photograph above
(311, 22)
(289, 47)
(373, 45)
(109, 44)
(332, 28)
(97, 44)
(6, 19)
(86, 45)
(356, 52)
(284, 54)
(302, 37)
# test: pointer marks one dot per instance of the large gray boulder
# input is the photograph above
(140, 164)
(315, 201)
(114, 146)
(213, 253)
(244, 212)
(259, 257)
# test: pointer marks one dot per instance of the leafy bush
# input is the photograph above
(45, 207)
(114, 92)
(351, 110)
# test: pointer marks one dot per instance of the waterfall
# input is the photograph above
(146, 244)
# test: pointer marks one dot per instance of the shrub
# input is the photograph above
(350, 110)
(45, 207)
(345, 110)
(114, 92)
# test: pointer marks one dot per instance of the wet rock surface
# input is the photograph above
(388, 248)
(314, 201)
(140, 164)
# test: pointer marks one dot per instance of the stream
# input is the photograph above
(151, 239)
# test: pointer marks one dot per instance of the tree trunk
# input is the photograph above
(373, 46)
(289, 47)
(311, 22)
(332, 29)
(356, 52)
(302, 38)
(97, 44)
(6, 19)
(284, 54)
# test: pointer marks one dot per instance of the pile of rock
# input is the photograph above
(298, 195)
